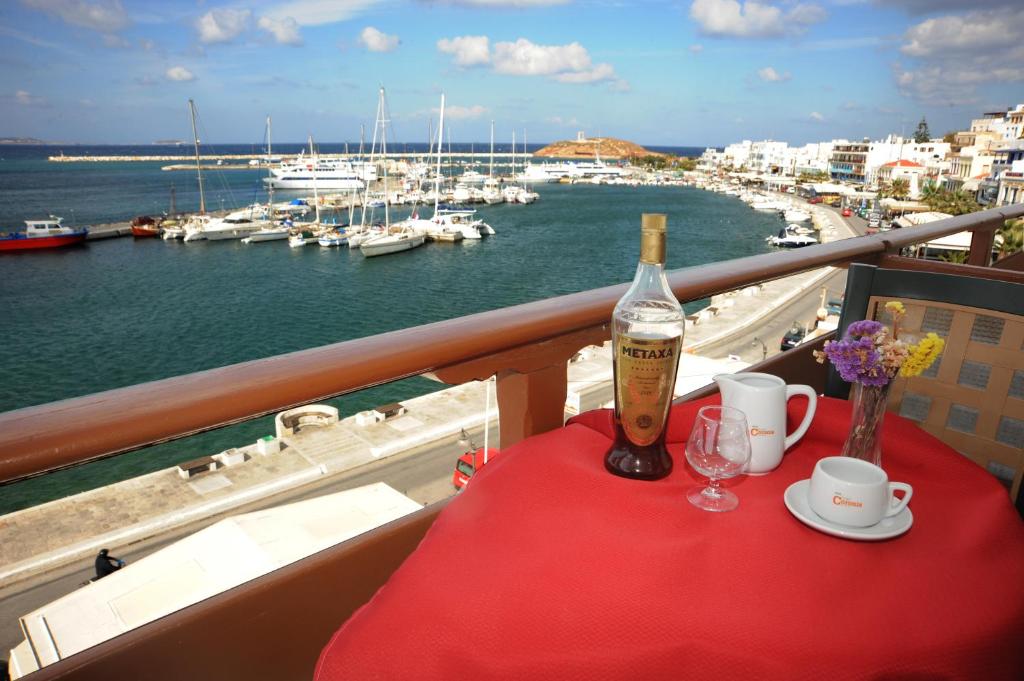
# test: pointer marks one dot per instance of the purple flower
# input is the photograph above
(857, 360)
(865, 327)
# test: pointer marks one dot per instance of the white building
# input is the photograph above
(736, 155)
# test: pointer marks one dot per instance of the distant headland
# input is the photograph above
(21, 140)
(587, 147)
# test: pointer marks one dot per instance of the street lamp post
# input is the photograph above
(764, 348)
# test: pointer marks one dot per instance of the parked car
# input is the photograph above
(847, 212)
(793, 337)
(834, 306)
(814, 199)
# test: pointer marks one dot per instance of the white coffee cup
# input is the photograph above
(763, 398)
(854, 492)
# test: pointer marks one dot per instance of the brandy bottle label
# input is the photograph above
(645, 371)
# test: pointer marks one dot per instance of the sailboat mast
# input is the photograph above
(490, 163)
(199, 170)
(437, 178)
(512, 179)
(524, 157)
(270, 185)
(384, 154)
(316, 195)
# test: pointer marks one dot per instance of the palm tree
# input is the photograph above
(1012, 233)
(899, 188)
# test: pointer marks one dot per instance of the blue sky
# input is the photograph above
(692, 72)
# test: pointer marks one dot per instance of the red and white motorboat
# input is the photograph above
(48, 233)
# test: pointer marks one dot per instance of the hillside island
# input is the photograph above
(589, 147)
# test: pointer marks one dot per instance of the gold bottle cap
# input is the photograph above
(652, 238)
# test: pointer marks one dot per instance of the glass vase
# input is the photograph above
(865, 438)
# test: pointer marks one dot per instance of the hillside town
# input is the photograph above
(984, 162)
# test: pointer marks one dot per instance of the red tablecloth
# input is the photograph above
(547, 567)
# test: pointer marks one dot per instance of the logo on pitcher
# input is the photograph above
(754, 432)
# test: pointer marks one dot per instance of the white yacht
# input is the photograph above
(796, 215)
(401, 237)
(789, 238)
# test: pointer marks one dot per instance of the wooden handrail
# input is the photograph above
(40, 439)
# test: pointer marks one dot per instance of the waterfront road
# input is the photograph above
(423, 474)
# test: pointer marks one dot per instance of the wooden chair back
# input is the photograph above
(972, 397)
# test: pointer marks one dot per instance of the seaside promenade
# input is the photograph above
(61, 537)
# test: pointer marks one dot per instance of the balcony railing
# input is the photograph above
(274, 626)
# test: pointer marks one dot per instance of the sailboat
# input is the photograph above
(448, 219)
(403, 238)
(492, 188)
(179, 230)
(269, 231)
(303, 233)
(525, 195)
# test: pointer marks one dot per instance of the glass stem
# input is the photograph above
(713, 489)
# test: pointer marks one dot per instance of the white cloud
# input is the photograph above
(558, 120)
(815, 116)
(598, 73)
(770, 75)
(319, 12)
(524, 58)
(115, 41)
(105, 16)
(565, 63)
(285, 31)
(955, 55)
(508, 3)
(457, 113)
(26, 98)
(222, 25)
(752, 19)
(966, 33)
(696, 49)
(179, 73)
(377, 41)
(469, 50)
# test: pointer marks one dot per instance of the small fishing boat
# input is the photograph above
(145, 226)
(333, 238)
(48, 233)
(43, 233)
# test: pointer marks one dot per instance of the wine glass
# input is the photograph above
(719, 448)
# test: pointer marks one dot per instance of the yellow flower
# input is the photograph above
(895, 307)
(922, 355)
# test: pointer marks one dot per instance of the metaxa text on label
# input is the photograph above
(646, 370)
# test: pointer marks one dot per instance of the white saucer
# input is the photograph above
(796, 502)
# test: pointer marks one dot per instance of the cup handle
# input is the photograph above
(812, 405)
(901, 504)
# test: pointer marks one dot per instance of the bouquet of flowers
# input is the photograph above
(867, 354)
(869, 357)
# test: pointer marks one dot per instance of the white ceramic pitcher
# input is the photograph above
(763, 398)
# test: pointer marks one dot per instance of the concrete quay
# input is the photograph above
(38, 540)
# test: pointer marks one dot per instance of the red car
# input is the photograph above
(814, 199)
(847, 212)
(469, 463)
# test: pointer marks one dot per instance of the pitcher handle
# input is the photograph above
(812, 405)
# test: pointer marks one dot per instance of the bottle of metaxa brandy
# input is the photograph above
(647, 337)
